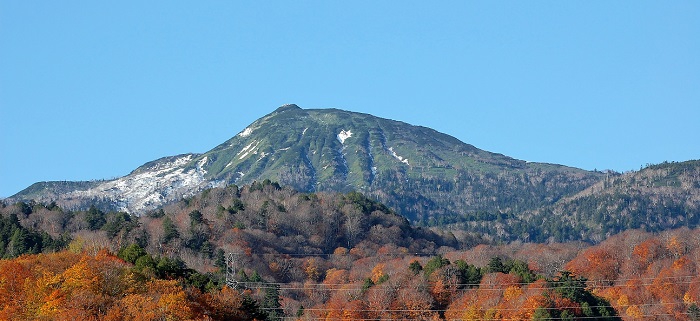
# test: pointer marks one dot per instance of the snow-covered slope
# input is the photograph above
(148, 189)
(150, 186)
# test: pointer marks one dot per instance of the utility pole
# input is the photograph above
(231, 271)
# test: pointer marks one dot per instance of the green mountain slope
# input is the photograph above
(427, 176)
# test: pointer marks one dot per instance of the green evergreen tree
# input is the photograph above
(694, 312)
(146, 264)
(271, 302)
(131, 253)
(169, 230)
(541, 314)
(435, 263)
(468, 274)
(95, 218)
(24, 208)
(196, 218)
(415, 267)
(496, 265)
(220, 261)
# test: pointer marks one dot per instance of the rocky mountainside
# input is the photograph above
(152, 185)
(429, 177)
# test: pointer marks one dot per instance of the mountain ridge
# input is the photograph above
(431, 178)
(321, 150)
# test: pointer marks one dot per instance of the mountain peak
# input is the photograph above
(287, 107)
(426, 175)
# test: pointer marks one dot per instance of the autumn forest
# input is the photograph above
(267, 252)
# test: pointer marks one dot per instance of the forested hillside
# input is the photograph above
(16, 239)
(646, 275)
(316, 256)
(659, 197)
(259, 219)
(656, 198)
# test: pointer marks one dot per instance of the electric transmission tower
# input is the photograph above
(231, 269)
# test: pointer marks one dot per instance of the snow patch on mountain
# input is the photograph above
(246, 132)
(343, 135)
(373, 169)
(201, 164)
(167, 181)
(401, 159)
(245, 148)
(248, 149)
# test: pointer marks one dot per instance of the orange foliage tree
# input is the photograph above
(72, 286)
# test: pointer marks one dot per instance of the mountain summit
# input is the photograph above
(427, 176)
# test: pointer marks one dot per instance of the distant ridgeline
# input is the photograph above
(430, 178)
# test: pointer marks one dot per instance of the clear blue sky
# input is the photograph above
(93, 89)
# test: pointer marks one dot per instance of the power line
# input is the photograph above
(356, 285)
(250, 254)
(499, 309)
(480, 319)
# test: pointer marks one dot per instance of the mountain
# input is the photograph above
(429, 177)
